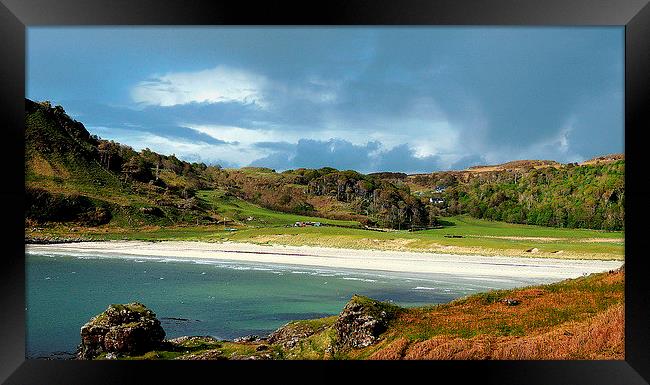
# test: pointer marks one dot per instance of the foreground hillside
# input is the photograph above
(580, 318)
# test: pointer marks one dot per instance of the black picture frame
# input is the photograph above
(16, 15)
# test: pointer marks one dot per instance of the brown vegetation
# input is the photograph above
(598, 338)
(604, 159)
(516, 165)
(574, 319)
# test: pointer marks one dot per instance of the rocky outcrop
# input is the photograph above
(248, 339)
(121, 329)
(362, 321)
(289, 335)
(132, 329)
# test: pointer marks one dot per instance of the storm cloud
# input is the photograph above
(369, 99)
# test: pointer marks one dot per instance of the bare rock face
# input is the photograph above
(121, 329)
(362, 321)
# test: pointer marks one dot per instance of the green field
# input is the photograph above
(247, 222)
(477, 237)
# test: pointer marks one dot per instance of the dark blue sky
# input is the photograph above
(371, 99)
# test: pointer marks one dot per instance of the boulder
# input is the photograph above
(362, 321)
(121, 329)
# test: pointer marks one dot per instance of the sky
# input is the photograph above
(401, 99)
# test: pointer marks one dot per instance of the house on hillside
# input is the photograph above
(440, 189)
(437, 201)
(304, 224)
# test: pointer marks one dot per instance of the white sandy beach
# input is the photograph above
(397, 261)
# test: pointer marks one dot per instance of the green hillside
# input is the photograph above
(241, 211)
(589, 195)
(80, 186)
(75, 177)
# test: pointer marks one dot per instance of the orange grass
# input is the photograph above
(573, 319)
(598, 338)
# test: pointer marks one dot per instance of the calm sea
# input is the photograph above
(220, 299)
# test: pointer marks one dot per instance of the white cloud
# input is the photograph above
(229, 153)
(224, 84)
(240, 134)
(217, 85)
(425, 136)
(250, 136)
(557, 147)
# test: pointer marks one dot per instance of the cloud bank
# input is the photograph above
(370, 99)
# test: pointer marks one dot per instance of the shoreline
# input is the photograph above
(543, 248)
(328, 257)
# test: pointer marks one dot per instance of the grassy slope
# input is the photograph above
(559, 320)
(240, 210)
(574, 319)
(69, 173)
(546, 324)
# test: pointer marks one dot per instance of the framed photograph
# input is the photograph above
(351, 188)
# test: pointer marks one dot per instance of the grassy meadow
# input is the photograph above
(241, 221)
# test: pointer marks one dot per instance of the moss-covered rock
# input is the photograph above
(362, 321)
(293, 332)
(121, 329)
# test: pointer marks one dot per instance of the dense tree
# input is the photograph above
(586, 196)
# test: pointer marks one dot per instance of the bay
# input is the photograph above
(218, 298)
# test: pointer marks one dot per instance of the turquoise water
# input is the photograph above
(217, 298)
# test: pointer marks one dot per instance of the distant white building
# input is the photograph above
(304, 224)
